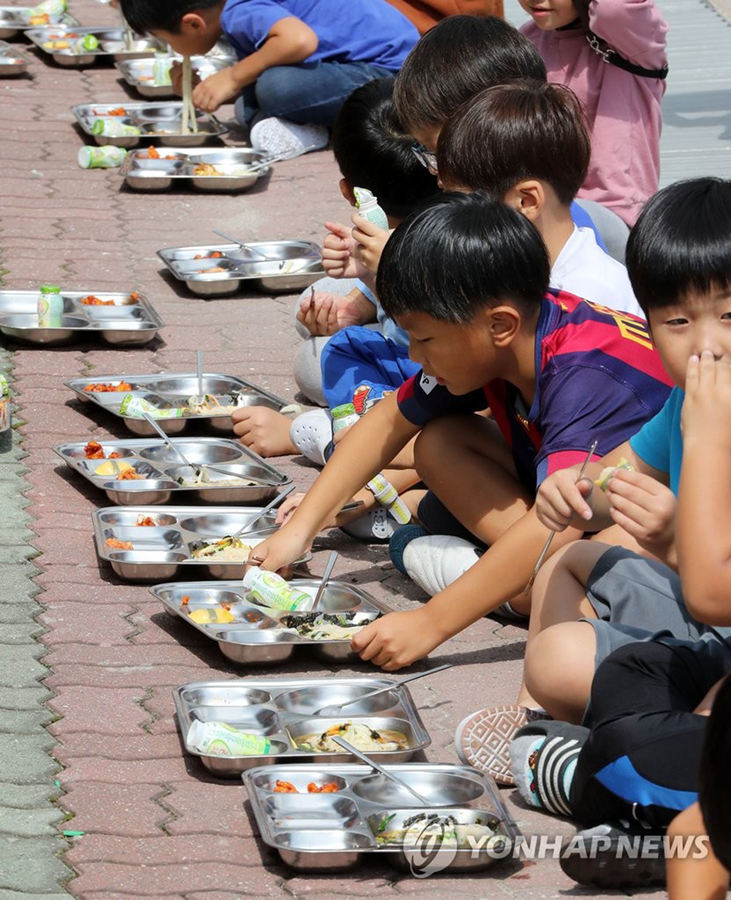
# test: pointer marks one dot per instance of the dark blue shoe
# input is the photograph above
(399, 539)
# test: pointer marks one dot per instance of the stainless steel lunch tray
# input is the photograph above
(277, 708)
(171, 389)
(129, 321)
(292, 266)
(163, 551)
(333, 831)
(138, 73)
(15, 19)
(12, 60)
(176, 167)
(156, 121)
(258, 637)
(160, 467)
(111, 44)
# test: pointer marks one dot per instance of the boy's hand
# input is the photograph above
(645, 508)
(339, 258)
(370, 240)
(176, 76)
(398, 639)
(215, 90)
(706, 412)
(288, 506)
(561, 499)
(324, 313)
(279, 551)
(263, 430)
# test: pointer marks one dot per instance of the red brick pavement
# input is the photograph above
(155, 824)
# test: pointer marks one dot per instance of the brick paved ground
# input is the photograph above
(154, 823)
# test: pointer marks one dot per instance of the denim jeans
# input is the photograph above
(310, 93)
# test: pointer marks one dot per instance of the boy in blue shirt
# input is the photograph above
(298, 59)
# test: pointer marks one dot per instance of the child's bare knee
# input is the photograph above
(559, 666)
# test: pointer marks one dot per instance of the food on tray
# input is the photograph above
(116, 544)
(219, 739)
(216, 616)
(606, 474)
(121, 471)
(94, 450)
(153, 153)
(327, 626)
(227, 549)
(147, 522)
(117, 111)
(206, 169)
(444, 831)
(189, 123)
(361, 736)
(210, 271)
(103, 388)
(212, 254)
(286, 787)
(203, 477)
(91, 300)
(209, 404)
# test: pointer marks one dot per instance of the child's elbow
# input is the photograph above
(301, 40)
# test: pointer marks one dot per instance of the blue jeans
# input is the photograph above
(310, 93)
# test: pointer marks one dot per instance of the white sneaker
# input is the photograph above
(376, 525)
(312, 433)
(285, 139)
(433, 562)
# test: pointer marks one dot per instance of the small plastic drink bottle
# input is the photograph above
(272, 590)
(367, 206)
(50, 306)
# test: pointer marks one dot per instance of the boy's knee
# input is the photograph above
(559, 664)
(429, 444)
(278, 92)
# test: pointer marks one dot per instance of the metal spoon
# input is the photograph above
(552, 535)
(336, 707)
(199, 371)
(325, 578)
(196, 468)
(273, 259)
(268, 508)
(377, 767)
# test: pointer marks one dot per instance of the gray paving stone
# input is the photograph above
(15, 583)
(29, 697)
(19, 667)
(30, 865)
(35, 795)
(25, 721)
(25, 757)
(29, 822)
(22, 611)
(22, 633)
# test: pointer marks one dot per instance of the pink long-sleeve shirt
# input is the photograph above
(622, 110)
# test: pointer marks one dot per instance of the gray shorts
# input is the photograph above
(638, 599)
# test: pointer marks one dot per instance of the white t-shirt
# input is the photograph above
(584, 269)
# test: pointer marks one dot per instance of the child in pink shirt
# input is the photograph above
(611, 53)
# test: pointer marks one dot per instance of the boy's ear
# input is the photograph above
(347, 191)
(527, 197)
(192, 22)
(504, 324)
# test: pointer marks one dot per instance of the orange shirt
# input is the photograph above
(424, 14)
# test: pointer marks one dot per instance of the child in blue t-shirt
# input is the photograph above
(298, 59)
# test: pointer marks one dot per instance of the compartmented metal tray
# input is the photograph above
(261, 635)
(282, 710)
(213, 270)
(175, 166)
(156, 121)
(15, 19)
(163, 550)
(172, 390)
(56, 41)
(138, 73)
(130, 319)
(332, 831)
(12, 60)
(158, 471)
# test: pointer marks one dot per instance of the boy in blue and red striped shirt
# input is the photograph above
(467, 278)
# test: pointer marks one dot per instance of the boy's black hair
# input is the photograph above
(714, 779)
(461, 253)
(510, 132)
(456, 59)
(372, 150)
(681, 243)
(144, 16)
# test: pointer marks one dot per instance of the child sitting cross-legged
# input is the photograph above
(467, 278)
(590, 599)
(525, 144)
